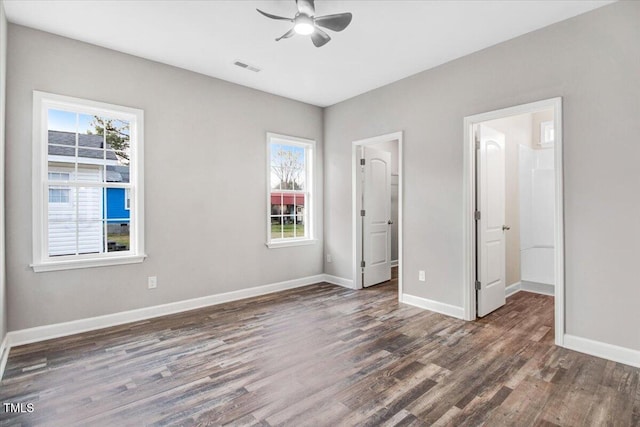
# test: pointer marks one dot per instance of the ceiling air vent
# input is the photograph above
(247, 66)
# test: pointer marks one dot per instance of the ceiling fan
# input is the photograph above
(306, 23)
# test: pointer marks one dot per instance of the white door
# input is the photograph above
(376, 227)
(491, 233)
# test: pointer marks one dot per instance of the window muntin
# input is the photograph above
(89, 155)
(290, 196)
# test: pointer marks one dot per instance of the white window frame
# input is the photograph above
(42, 262)
(127, 199)
(310, 161)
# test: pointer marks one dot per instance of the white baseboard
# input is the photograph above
(41, 333)
(394, 263)
(335, 280)
(512, 289)
(603, 350)
(438, 307)
(538, 288)
(4, 354)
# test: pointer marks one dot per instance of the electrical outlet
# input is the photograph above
(329, 258)
(421, 276)
(152, 282)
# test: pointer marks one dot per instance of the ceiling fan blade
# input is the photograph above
(286, 35)
(268, 15)
(306, 7)
(319, 37)
(337, 22)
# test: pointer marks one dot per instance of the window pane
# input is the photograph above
(90, 237)
(275, 172)
(118, 139)
(62, 224)
(62, 211)
(88, 173)
(62, 238)
(287, 167)
(95, 155)
(62, 121)
(277, 207)
(276, 227)
(90, 137)
(117, 236)
(299, 215)
(90, 203)
(116, 172)
(115, 200)
(58, 150)
(287, 228)
(58, 171)
(59, 195)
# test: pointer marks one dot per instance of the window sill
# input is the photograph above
(275, 245)
(86, 263)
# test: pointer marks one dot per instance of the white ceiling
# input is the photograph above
(386, 41)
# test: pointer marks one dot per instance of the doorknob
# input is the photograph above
(390, 222)
(505, 227)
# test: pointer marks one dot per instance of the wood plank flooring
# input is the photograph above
(321, 356)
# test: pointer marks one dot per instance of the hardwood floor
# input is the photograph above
(321, 356)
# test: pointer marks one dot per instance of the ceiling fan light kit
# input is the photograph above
(306, 23)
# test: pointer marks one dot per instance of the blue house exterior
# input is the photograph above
(116, 205)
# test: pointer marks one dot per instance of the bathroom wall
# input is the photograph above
(537, 205)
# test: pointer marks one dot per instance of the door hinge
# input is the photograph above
(478, 285)
(362, 212)
(362, 264)
(362, 162)
(477, 142)
(477, 215)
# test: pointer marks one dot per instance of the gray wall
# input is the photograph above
(593, 62)
(205, 175)
(3, 80)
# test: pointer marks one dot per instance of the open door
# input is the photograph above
(490, 204)
(376, 219)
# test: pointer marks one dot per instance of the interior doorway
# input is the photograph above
(377, 210)
(513, 213)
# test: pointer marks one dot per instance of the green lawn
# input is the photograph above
(287, 230)
(121, 239)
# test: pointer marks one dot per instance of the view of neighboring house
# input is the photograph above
(104, 211)
(288, 205)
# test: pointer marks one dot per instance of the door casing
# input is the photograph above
(355, 210)
(469, 206)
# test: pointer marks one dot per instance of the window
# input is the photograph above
(547, 134)
(290, 191)
(59, 194)
(87, 183)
